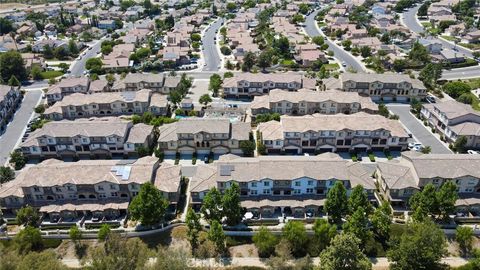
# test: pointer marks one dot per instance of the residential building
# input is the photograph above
(10, 99)
(453, 119)
(66, 87)
(203, 136)
(87, 190)
(358, 132)
(155, 82)
(306, 101)
(248, 85)
(399, 180)
(384, 87)
(273, 186)
(105, 104)
(87, 138)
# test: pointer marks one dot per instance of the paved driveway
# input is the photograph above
(15, 129)
(419, 131)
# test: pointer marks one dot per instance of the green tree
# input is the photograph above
(460, 144)
(215, 84)
(149, 206)
(194, 227)
(422, 246)
(456, 89)
(336, 204)
(28, 239)
(195, 37)
(118, 253)
(94, 65)
(347, 44)
(359, 198)
(430, 74)
(205, 99)
(107, 49)
(424, 203)
(217, 236)
(323, 233)
(231, 7)
(422, 11)
(344, 254)
(110, 78)
(6, 174)
(28, 216)
(419, 53)
(36, 72)
(60, 53)
(211, 205)
(446, 196)
(249, 61)
(6, 26)
(72, 47)
(265, 242)
(464, 236)
(75, 233)
(48, 52)
(294, 232)
(231, 205)
(381, 220)
(357, 224)
(264, 59)
(104, 232)
(365, 51)
(248, 148)
(13, 81)
(171, 259)
(45, 260)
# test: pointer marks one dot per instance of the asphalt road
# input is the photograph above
(16, 128)
(210, 52)
(339, 53)
(410, 21)
(419, 131)
(78, 66)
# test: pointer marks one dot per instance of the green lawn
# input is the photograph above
(426, 24)
(450, 38)
(470, 46)
(51, 74)
(332, 67)
(474, 83)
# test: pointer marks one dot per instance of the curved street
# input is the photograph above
(410, 20)
(339, 53)
(210, 51)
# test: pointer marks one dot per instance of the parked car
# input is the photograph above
(414, 144)
(417, 148)
(473, 152)
(344, 64)
(431, 99)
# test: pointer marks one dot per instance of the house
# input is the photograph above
(471, 37)
(203, 136)
(453, 119)
(248, 85)
(66, 87)
(10, 98)
(359, 132)
(384, 87)
(31, 59)
(452, 57)
(93, 191)
(53, 43)
(138, 81)
(106, 24)
(274, 186)
(306, 102)
(433, 46)
(101, 104)
(87, 138)
(398, 181)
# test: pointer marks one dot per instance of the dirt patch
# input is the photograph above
(243, 251)
(66, 250)
(9, 6)
(453, 249)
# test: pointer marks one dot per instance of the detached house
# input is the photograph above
(10, 99)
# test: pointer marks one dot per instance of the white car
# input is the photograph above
(417, 148)
(414, 144)
(473, 152)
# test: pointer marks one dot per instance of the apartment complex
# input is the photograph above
(10, 99)
(384, 87)
(248, 85)
(155, 82)
(203, 136)
(67, 86)
(272, 185)
(399, 180)
(87, 138)
(87, 188)
(108, 104)
(454, 119)
(333, 133)
(305, 102)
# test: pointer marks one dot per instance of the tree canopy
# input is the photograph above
(149, 206)
(344, 254)
(336, 203)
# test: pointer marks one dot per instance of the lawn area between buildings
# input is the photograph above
(51, 74)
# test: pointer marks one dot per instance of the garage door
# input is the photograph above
(204, 151)
(360, 149)
(291, 151)
(220, 150)
(186, 151)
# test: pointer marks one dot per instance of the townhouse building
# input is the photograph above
(87, 138)
(453, 119)
(107, 104)
(10, 98)
(399, 180)
(203, 136)
(271, 186)
(305, 102)
(87, 189)
(66, 87)
(248, 85)
(384, 87)
(358, 132)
